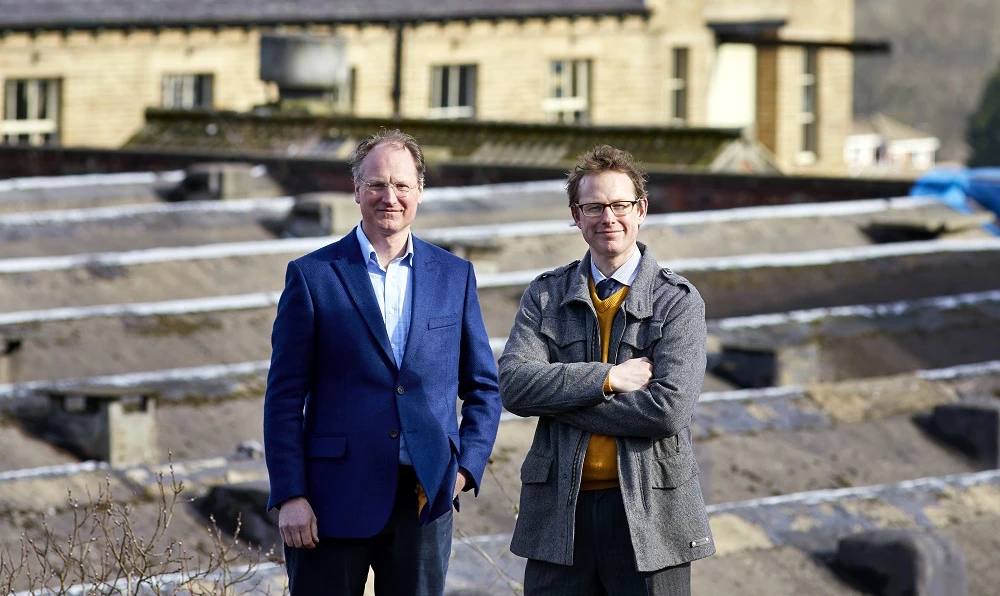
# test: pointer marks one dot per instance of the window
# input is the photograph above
(31, 111)
(569, 92)
(679, 86)
(809, 114)
(187, 91)
(453, 91)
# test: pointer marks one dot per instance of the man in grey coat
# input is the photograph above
(609, 353)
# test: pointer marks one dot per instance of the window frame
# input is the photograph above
(189, 86)
(809, 119)
(576, 76)
(449, 82)
(679, 85)
(35, 128)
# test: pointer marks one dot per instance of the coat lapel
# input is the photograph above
(427, 282)
(352, 268)
(579, 286)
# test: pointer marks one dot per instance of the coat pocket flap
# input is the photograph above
(561, 331)
(327, 446)
(641, 337)
(671, 472)
(535, 469)
(445, 321)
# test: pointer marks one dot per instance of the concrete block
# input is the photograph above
(224, 180)
(321, 214)
(747, 368)
(246, 502)
(973, 427)
(754, 367)
(113, 425)
(10, 356)
(894, 562)
(251, 449)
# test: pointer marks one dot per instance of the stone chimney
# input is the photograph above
(109, 424)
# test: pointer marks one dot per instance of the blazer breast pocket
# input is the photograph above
(445, 321)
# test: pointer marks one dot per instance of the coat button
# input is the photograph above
(399, 390)
(393, 433)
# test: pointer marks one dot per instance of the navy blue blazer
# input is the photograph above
(336, 402)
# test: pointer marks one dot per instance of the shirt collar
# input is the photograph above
(369, 251)
(624, 275)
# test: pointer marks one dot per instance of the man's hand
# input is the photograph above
(631, 375)
(459, 483)
(297, 523)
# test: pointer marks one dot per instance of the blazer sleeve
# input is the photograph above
(477, 388)
(288, 383)
(530, 384)
(667, 404)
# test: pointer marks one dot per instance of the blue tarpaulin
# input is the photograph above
(956, 187)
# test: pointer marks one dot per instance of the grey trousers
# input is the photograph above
(603, 558)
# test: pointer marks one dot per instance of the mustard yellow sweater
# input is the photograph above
(600, 466)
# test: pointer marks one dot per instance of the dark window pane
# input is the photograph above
(463, 81)
(21, 113)
(680, 103)
(809, 140)
(680, 63)
(203, 91)
(445, 86)
(43, 97)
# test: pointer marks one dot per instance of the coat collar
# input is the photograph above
(638, 303)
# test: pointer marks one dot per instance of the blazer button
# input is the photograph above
(399, 390)
(393, 433)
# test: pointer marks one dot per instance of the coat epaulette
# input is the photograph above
(558, 271)
(676, 280)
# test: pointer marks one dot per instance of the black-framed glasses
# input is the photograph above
(597, 209)
(377, 187)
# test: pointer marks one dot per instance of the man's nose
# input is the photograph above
(389, 196)
(608, 216)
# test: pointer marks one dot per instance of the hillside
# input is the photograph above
(941, 56)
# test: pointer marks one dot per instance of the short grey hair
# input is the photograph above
(395, 138)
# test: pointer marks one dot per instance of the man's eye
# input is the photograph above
(403, 187)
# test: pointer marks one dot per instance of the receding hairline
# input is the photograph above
(393, 144)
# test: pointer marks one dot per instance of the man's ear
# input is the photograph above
(576, 216)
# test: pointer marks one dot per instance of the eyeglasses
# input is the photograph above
(377, 187)
(597, 209)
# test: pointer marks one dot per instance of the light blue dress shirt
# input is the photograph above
(624, 275)
(393, 286)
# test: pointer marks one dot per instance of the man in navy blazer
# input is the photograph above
(375, 337)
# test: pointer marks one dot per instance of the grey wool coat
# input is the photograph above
(551, 368)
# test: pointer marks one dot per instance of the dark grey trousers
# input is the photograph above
(603, 558)
(408, 560)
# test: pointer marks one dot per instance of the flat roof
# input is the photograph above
(93, 14)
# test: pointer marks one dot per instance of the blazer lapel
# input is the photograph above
(427, 283)
(352, 267)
